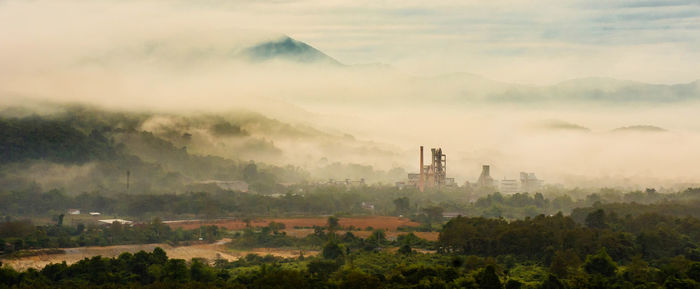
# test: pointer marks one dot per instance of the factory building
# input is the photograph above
(529, 183)
(509, 187)
(485, 179)
(433, 175)
(346, 182)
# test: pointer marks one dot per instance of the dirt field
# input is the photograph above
(297, 227)
(206, 251)
(377, 222)
(392, 235)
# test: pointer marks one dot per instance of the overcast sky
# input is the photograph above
(523, 41)
(537, 42)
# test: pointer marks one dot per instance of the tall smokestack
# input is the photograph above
(422, 175)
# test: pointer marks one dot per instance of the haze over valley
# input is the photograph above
(245, 95)
(343, 144)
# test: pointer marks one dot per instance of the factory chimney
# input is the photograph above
(486, 170)
(422, 174)
(485, 179)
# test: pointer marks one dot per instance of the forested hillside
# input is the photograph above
(85, 151)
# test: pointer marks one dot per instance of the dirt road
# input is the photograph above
(206, 251)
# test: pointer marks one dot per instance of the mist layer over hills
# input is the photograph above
(88, 149)
(241, 94)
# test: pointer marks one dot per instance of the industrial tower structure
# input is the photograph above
(435, 174)
(485, 179)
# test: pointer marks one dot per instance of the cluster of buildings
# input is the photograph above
(528, 182)
(75, 212)
(434, 175)
(344, 183)
(430, 175)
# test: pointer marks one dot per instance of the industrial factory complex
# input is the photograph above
(434, 176)
(528, 182)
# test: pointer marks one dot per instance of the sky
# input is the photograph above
(531, 42)
(508, 40)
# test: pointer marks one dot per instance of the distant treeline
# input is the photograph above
(22, 235)
(35, 138)
(521, 205)
(211, 202)
(558, 238)
(202, 204)
(678, 209)
(312, 200)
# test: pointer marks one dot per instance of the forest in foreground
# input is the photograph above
(607, 251)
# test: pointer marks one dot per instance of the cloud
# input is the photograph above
(501, 39)
(656, 3)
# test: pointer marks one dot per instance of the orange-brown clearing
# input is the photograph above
(376, 222)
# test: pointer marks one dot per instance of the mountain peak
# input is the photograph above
(287, 48)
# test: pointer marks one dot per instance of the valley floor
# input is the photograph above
(205, 251)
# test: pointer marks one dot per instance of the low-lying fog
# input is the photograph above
(584, 132)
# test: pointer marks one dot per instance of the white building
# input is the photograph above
(120, 221)
(529, 183)
(509, 187)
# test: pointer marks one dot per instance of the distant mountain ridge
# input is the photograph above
(560, 125)
(640, 128)
(593, 89)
